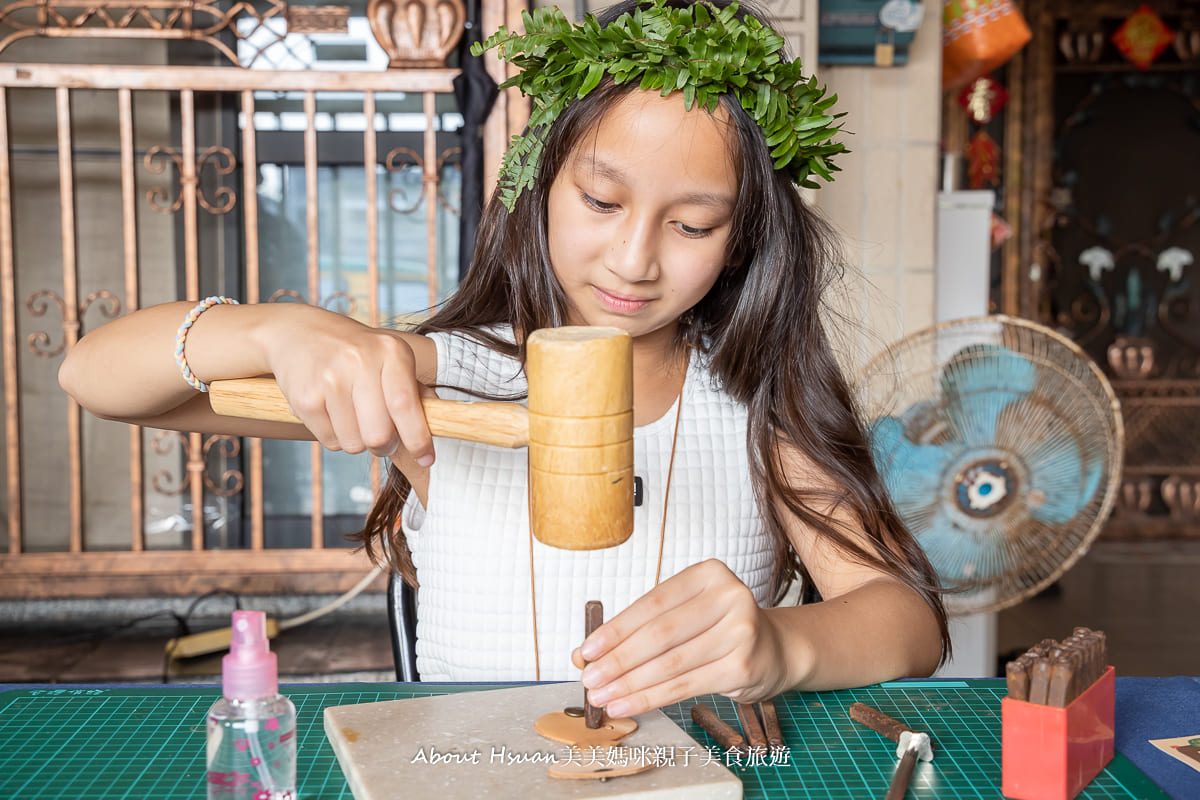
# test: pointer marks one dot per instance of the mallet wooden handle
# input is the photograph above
(500, 424)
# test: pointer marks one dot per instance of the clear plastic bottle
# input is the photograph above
(252, 728)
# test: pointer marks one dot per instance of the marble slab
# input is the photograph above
(482, 744)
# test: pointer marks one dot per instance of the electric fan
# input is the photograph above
(1000, 443)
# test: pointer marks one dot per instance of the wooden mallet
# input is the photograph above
(578, 428)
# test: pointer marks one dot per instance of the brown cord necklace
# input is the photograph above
(662, 533)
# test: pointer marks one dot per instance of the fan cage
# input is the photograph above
(990, 561)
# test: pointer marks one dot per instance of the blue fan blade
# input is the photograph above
(1037, 433)
(954, 553)
(910, 471)
(1056, 470)
(986, 367)
(978, 382)
(974, 416)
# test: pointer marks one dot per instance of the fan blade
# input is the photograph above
(1034, 430)
(988, 367)
(973, 416)
(909, 470)
(1093, 471)
(955, 554)
(1056, 471)
(979, 382)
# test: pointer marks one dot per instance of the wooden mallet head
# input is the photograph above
(579, 430)
(580, 436)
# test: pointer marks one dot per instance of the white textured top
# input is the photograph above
(471, 546)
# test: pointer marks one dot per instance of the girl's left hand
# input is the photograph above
(698, 632)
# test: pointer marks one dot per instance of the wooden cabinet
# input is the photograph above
(1101, 185)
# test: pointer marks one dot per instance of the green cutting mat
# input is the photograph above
(83, 743)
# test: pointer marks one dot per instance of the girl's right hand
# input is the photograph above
(354, 387)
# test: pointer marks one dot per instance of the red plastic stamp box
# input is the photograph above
(1051, 753)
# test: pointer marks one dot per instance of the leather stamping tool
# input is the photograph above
(593, 618)
(910, 745)
(752, 727)
(770, 720)
(760, 724)
(722, 734)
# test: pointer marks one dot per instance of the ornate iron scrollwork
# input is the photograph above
(223, 162)
(209, 21)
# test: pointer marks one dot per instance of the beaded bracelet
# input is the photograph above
(181, 337)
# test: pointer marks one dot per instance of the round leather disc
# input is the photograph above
(560, 727)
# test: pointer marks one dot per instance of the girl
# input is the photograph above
(673, 216)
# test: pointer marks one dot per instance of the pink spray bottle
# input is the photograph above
(252, 728)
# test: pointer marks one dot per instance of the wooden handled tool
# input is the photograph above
(770, 719)
(911, 745)
(579, 430)
(499, 424)
(1055, 673)
(760, 725)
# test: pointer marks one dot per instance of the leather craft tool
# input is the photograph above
(770, 719)
(760, 724)
(578, 427)
(752, 727)
(878, 721)
(716, 727)
(589, 726)
(593, 616)
(1055, 673)
(911, 745)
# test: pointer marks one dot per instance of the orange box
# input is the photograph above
(1050, 753)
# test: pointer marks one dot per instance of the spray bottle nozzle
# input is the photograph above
(249, 671)
(249, 634)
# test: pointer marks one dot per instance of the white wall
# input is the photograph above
(885, 198)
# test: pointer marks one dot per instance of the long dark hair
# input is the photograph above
(760, 327)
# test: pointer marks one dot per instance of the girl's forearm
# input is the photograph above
(126, 369)
(880, 631)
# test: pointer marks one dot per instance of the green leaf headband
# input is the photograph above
(699, 49)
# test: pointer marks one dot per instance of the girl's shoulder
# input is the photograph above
(485, 337)
(469, 360)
